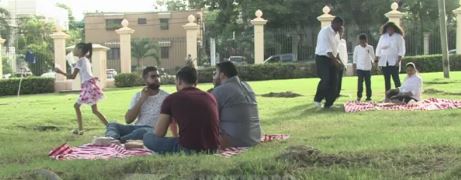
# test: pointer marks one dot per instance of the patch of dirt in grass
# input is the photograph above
(418, 161)
(436, 91)
(433, 91)
(46, 128)
(441, 81)
(40, 128)
(287, 94)
(309, 156)
(40, 174)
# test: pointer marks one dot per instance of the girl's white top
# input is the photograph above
(413, 84)
(84, 66)
(389, 49)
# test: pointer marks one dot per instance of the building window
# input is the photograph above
(113, 54)
(165, 52)
(113, 24)
(142, 21)
(164, 24)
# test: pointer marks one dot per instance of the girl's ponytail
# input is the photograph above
(89, 48)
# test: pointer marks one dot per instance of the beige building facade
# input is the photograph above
(164, 28)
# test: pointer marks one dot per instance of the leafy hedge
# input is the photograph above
(30, 85)
(128, 80)
(433, 63)
(266, 72)
(429, 63)
(135, 79)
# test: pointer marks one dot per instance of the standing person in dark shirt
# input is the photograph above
(196, 114)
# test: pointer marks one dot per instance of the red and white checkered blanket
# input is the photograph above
(426, 105)
(93, 152)
(233, 151)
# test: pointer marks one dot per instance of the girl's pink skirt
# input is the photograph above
(90, 93)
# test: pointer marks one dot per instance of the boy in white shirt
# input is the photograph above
(363, 62)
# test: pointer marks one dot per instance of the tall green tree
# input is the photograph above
(144, 48)
(5, 28)
(34, 35)
(176, 5)
(76, 28)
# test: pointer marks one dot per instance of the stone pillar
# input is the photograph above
(59, 39)
(1, 59)
(212, 52)
(258, 24)
(394, 16)
(457, 12)
(99, 63)
(426, 42)
(326, 18)
(192, 30)
(125, 46)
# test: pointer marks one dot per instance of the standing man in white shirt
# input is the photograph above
(389, 53)
(364, 54)
(327, 62)
(342, 52)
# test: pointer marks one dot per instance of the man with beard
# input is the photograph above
(144, 108)
(238, 109)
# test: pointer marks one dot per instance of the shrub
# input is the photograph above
(135, 79)
(128, 80)
(29, 85)
(433, 63)
(266, 72)
(428, 63)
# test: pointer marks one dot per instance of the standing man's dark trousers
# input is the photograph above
(389, 71)
(327, 87)
(340, 80)
(364, 75)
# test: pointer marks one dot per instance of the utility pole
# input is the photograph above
(443, 39)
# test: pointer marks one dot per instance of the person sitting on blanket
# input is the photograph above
(196, 114)
(144, 108)
(238, 110)
(411, 88)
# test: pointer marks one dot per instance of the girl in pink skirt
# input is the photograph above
(90, 92)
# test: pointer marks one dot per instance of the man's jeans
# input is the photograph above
(127, 132)
(161, 145)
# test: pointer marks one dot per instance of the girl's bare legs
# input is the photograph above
(79, 116)
(98, 114)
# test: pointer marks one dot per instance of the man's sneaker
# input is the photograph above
(368, 99)
(317, 104)
(359, 99)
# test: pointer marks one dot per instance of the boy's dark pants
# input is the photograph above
(364, 76)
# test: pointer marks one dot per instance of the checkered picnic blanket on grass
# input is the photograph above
(425, 105)
(93, 152)
(233, 151)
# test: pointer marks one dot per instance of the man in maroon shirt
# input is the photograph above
(196, 114)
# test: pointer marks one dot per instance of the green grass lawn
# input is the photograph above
(323, 144)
